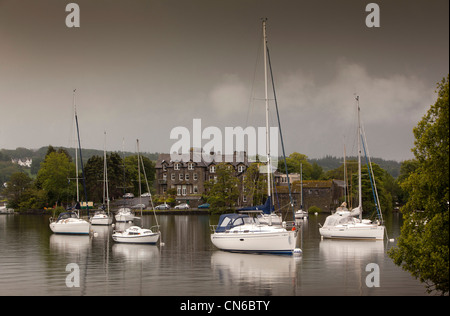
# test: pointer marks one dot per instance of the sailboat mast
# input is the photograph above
(82, 168)
(76, 150)
(359, 161)
(264, 20)
(105, 174)
(139, 174)
(345, 176)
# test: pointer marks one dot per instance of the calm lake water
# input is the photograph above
(33, 261)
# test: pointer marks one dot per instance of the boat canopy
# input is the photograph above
(67, 215)
(267, 208)
(228, 221)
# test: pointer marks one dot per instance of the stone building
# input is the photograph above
(324, 194)
(188, 177)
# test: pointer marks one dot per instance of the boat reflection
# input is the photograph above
(347, 251)
(69, 244)
(135, 252)
(263, 270)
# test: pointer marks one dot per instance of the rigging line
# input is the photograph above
(82, 167)
(374, 188)
(369, 168)
(281, 134)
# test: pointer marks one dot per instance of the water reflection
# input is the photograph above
(351, 251)
(243, 267)
(69, 244)
(33, 261)
(135, 252)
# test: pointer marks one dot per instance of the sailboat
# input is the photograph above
(101, 217)
(243, 232)
(70, 222)
(136, 234)
(346, 224)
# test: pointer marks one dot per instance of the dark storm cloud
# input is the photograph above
(143, 67)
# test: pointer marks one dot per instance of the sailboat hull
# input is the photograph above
(136, 235)
(282, 242)
(101, 220)
(150, 239)
(366, 232)
(71, 226)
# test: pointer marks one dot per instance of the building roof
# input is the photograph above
(196, 157)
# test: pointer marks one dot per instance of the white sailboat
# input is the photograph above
(243, 233)
(136, 234)
(124, 214)
(70, 222)
(345, 224)
(101, 217)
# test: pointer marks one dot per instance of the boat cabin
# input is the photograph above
(228, 221)
(336, 219)
(67, 215)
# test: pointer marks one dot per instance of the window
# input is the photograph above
(181, 176)
(172, 177)
(191, 166)
(244, 198)
(178, 189)
(195, 189)
(212, 169)
(186, 176)
(183, 191)
(195, 177)
(241, 168)
(165, 176)
(177, 166)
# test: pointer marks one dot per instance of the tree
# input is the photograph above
(222, 192)
(54, 177)
(293, 163)
(17, 185)
(368, 201)
(94, 178)
(131, 165)
(422, 247)
(254, 185)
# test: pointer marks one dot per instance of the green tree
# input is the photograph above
(131, 166)
(295, 162)
(54, 175)
(254, 185)
(222, 192)
(18, 184)
(368, 201)
(422, 247)
(118, 178)
(94, 178)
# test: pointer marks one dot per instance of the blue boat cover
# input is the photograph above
(267, 208)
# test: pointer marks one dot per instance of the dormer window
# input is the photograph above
(241, 168)
(191, 166)
(176, 166)
(212, 169)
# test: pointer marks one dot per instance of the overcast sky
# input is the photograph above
(143, 67)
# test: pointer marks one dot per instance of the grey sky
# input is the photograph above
(142, 68)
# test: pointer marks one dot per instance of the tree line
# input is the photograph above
(55, 182)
